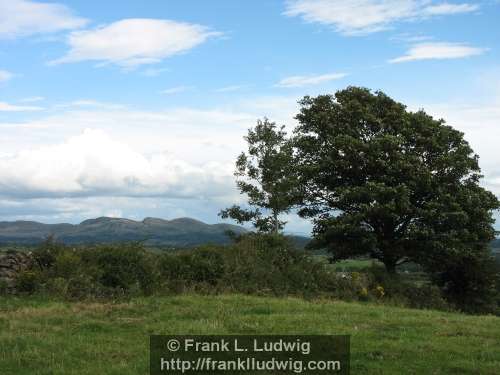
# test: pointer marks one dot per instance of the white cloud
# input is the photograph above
(438, 50)
(231, 88)
(367, 16)
(89, 103)
(94, 164)
(301, 81)
(188, 134)
(133, 42)
(447, 8)
(177, 152)
(154, 72)
(5, 75)
(411, 38)
(478, 117)
(33, 99)
(175, 90)
(6, 107)
(22, 18)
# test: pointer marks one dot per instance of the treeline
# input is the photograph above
(258, 264)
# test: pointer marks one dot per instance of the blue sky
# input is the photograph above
(136, 109)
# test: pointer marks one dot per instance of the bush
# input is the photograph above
(257, 264)
(394, 288)
(105, 271)
(57, 286)
(124, 268)
(471, 283)
(268, 264)
(66, 264)
(426, 296)
(4, 287)
(45, 255)
(192, 269)
(27, 282)
(254, 264)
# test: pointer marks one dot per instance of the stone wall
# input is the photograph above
(11, 264)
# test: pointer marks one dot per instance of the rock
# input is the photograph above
(12, 263)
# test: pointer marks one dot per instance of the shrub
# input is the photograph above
(57, 286)
(338, 285)
(27, 282)
(192, 269)
(394, 288)
(426, 296)
(259, 264)
(45, 255)
(268, 264)
(125, 267)
(104, 271)
(4, 287)
(471, 283)
(206, 265)
(379, 291)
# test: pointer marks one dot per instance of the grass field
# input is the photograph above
(48, 337)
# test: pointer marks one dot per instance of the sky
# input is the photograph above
(138, 108)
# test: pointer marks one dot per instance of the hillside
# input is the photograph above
(180, 232)
(40, 336)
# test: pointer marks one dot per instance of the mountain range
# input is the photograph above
(182, 232)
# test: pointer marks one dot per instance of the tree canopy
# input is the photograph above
(382, 181)
(263, 175)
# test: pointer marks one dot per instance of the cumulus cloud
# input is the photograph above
(93, 164)
(438, 51)
(368, 16)
(6, 107)
(5, 75)
(301, 81)
(172, 163)
(23, 18)
(133, 42)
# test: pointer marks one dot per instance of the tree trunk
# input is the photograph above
(276, 226)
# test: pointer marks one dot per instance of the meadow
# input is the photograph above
(42, 337)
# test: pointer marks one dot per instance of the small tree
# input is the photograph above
(391, 184)
(263, 175)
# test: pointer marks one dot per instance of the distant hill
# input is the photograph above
(183, 232)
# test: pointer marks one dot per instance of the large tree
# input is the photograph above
(389, 183)
(263, 175)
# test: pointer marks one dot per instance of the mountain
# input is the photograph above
(181, 232)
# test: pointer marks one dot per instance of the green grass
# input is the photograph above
(360, 265)
(50, 337)
(348, 264)
(353, 264)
